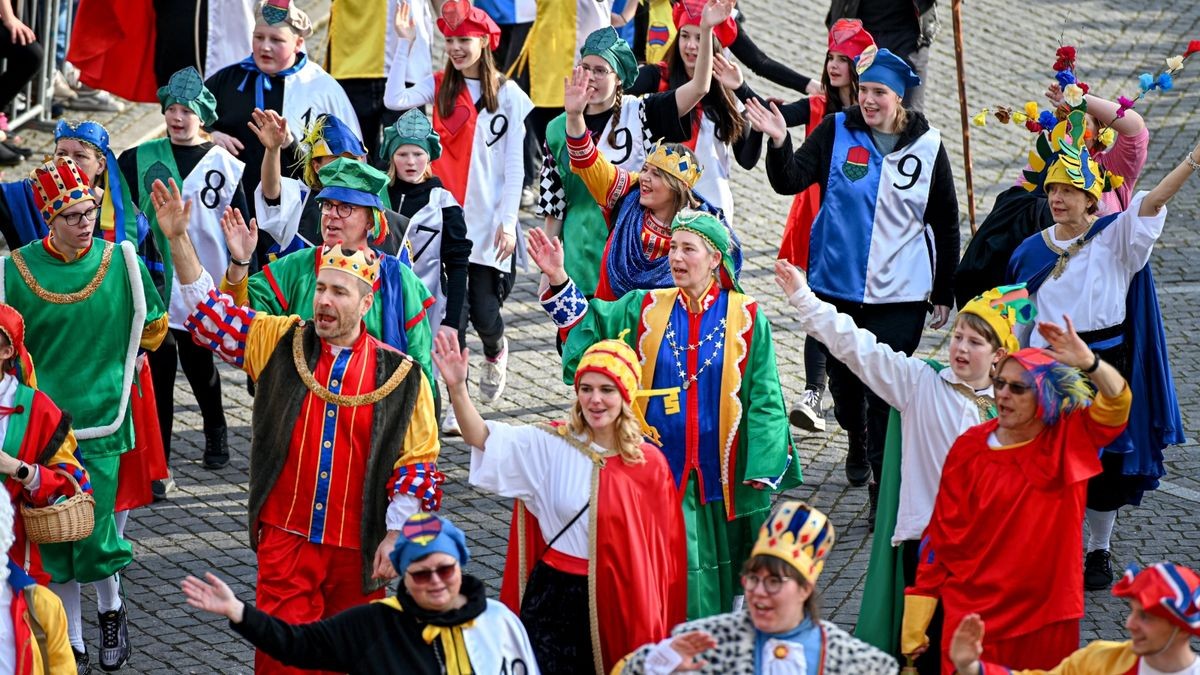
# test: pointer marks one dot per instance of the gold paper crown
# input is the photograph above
(799, 535)
(682, 164)
(362, 264)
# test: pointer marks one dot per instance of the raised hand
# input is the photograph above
(403, 24)
(789, 278)
(967, 644)
(768, 121)
(576, 91)
(716, 11)
(547, 254)
(171, 211)
(451, 363)
(727, 72)
(212, 595)
(690, 646)
(1065, 344)
(240, 239)
(270, 127)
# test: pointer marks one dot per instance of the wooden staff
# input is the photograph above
(960, 65)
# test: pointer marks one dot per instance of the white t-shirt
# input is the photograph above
(1144, 669)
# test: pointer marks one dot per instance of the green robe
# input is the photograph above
(287, 286)
(722, 527)
(584, 229)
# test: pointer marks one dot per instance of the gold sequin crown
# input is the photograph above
(677, 161)
(799, 535)
(362, 264)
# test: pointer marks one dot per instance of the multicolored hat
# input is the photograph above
(12, 324)
(616, 360)
(362, 264)
(1060, 388)
(57, 185)
(1072, 164)
(353, 182)
(460, 19)
(711, 229)
(328, 136)
(186, 88)
(799, 535)
(1166, 590)
(884, 67)
(677, 160)
(1003, 308)
(425, 533)
(689, 13)
(413, 128)
(608, 45)
(89, 131)
(849, 38)
(285, 13)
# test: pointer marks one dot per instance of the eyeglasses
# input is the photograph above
(598, 71)
(444, 572)
(73, 219)
(341, 209)
(771, 584)
(1017, 388)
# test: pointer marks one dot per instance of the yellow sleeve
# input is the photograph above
(918, 612)
(50, 615)
(1097, 657)
(605, 182)
(421, 440)
(266, 330)
(154, 333)
(1114, 411)
(239, 291)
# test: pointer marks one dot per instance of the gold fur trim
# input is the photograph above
(369, 398)
(64, 298)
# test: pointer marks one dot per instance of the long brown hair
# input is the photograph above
(833, 101)
(453, 82)
(719, 103)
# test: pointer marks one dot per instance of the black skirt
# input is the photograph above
(555, 613)
(1112, 489)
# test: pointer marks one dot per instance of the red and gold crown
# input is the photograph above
(677, 161)
(799, 535)
(362, 264)
(57, 185)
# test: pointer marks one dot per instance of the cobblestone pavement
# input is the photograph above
(1010, 47)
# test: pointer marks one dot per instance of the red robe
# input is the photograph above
(641, 556)
(1005, 539)
(113, 47)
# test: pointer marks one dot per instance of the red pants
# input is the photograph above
(1041, 649)
(302, 582)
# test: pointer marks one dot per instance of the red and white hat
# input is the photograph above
(57, 185)
(460, 19)
(1166, 590)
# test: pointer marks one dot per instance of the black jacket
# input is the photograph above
(407, 199)
(791, 172)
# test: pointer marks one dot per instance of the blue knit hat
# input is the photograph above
(425, 533)
(887, 69)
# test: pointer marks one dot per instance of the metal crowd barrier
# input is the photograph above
(32, 106)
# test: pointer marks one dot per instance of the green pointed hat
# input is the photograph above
(187, 89)
(413, 128)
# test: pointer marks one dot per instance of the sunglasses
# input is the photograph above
(445, 573)
(1017, 388)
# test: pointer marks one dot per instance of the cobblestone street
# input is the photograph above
(1010, 48)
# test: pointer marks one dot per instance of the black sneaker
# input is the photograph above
(162, 488)
(114, 639)
(216, 449)
(83, 664)
(873, 499)
(858, 469)
(1097, 570)
(807, 413)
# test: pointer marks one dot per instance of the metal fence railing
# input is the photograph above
(47, 18)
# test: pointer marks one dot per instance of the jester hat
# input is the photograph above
(12, 324)
(799, 535)
(712, 230)
(1061, 156)
(354, 182)
(1003, 308)
(328, 136)
(1060, 388)
(1166, 590)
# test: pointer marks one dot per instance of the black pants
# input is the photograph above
(175, 23)
(930, 662)
(1112, 489)
(366, 95)
(814, 364)
(555, 614)
(21, 64)
(201, 372)
(487, 288)
(858, 410)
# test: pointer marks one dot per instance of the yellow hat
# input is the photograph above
(677, 161)
(362, 264)
(1003, 308)
(617, 361)
(799, 535)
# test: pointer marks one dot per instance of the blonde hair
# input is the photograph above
(392, 177)
(629, 432)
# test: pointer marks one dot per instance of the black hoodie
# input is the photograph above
(408, 199)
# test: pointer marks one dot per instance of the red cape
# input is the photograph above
(641, 556)
(147, 460)
(112, 45)
(805, 205)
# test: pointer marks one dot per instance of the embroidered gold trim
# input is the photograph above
(1064, 255)
(369, 398)
(985, 404)
(64, 298)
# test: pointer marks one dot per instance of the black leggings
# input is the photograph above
(487, 287)
(555, 614)
(814, 364)
(201, 372)
(858, 410)
(21, 64)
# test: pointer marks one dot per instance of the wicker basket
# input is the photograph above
(70, 520)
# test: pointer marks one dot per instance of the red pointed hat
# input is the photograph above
(12, 324)
(1166, 590)
(460, 19)
(688, 13)
(849, 38)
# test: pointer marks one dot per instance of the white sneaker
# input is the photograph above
(450, 423)
(807, 414)
(529, 197)
(62, 90)
(493, 375)
(95, 100)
